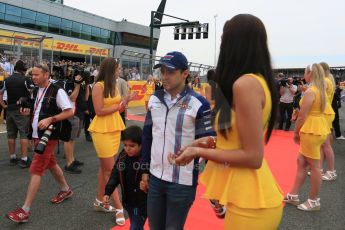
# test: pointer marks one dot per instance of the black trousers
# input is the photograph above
(335, 124)
(87, 122)
(285, 110)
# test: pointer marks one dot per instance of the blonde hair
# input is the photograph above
(28, 72)
(327, 71)
(318, 81)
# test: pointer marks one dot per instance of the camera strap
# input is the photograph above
(37, 102)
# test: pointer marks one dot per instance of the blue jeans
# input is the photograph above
(136, 217)
(168, 204)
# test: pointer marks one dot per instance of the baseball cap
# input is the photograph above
(173, 60)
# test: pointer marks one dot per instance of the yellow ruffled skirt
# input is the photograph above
(242, 187)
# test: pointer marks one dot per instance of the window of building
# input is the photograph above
(54, 24)
(2, 7)
(28, 14)
(42, 17)
(54, 21)
(66, 31)
(26, 22)
(13, 10)
(76, 27)
(53, 29)
(86, 29)
(118, 37)
(96, 34)
(86, 32)
(95, 31)
(40, 21)
(138, 41)
(105, 33)
(66, 23)
(11, 19)
(43, 26)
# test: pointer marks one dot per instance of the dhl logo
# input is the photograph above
(67, 46)
(98, 51)
(140, 89)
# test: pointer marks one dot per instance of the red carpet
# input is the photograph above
(135, 118)
(280, 154)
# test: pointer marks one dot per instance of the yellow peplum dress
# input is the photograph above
(253, 197)
(329, 112)
(106, 130)
(315, 129)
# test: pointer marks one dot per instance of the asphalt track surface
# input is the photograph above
(77, 212)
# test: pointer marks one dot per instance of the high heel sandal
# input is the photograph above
(310, 205)
(291, 199)
(329, 175)
(219, 209)
(119, 220)
(100, 207)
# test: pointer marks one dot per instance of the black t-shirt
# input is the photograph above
(17, 86)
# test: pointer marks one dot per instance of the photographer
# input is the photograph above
(51, 106)
(77, 92)
(17, 86)
(287, 91)
(336, 105)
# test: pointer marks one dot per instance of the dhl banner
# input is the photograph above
(53, 44)
(139, 87)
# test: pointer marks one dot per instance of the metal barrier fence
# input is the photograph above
(136, 66)
(29, 50)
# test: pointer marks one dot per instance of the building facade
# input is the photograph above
(70, 33)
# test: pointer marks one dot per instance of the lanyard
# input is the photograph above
(40, 98)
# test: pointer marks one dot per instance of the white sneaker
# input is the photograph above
(340, 138)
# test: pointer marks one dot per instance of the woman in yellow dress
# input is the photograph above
(197, 87)
(327, 152)
(311, 131)
(106, 129)
(246, 104)
(150, 89)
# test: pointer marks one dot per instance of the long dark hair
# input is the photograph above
(243, 50)
(211, 80)
(107, 74)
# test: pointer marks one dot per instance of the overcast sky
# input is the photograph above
(299, 31)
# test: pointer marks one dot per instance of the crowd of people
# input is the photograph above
(185, 126)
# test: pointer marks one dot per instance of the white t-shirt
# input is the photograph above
(95, 73)
(62, 101)
(9, 68)
(287, 97)
(169, 101)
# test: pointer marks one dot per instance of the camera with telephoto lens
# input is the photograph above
(25, 102)
(41, 146)
(283, 82)
(85, 75)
